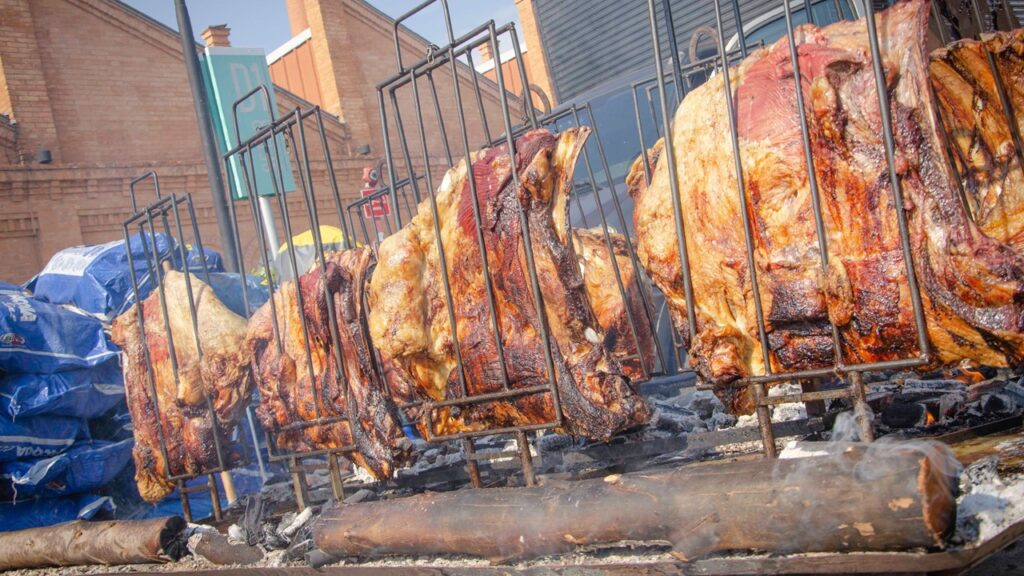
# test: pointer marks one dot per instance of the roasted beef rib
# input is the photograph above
(985, 155)
(409, 319)
(296, 389)
(609, 307)
(180, 412)
(972, 285)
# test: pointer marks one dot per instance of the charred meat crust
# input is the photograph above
(416, 344)
(365, 417)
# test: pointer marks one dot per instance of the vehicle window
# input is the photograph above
(824, 13)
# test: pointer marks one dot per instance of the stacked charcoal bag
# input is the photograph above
(97, 278)
(58, 369)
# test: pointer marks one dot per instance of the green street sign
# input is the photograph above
(230, 74)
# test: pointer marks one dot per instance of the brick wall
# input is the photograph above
(354, 51)
(27, 99)
(536, 65)
(105, 90)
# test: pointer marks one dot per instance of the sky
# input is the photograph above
(264, 23)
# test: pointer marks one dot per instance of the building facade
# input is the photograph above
(94, 93)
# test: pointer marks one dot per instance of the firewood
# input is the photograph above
(80, 542)
(882, 497)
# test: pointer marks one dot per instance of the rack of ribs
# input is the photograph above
(610, 307)
(303, 396)
(409, 318)
(981, 134)
(972, 285)
(179, 413)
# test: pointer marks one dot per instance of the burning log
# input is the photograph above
(882, 497)
(80, 542)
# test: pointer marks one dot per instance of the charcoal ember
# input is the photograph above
(951, 406)
(904, 415)
(983, 471)
(555, 442)
(704, 404)
(270, 538)
(431, 455)
(997, 405)
(931, 387)
(300, 547)
(677, 422)
(789, 412)
(1015, 391)
(253, 518)
(362, 495)
(720, 420)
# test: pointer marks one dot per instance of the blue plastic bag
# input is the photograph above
(43, 338)
(86, 393)
(86, 466)
(228, 288)
(194, 260)
(39, 437)
(36, 513)
(97, 278)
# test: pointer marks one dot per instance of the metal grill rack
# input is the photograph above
(679, 75)
(411, 165)
(286, 137)
(168, 212)
(447, 63)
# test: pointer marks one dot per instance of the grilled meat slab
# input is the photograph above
(179, 411)
(985, 155)
(609, 306)
(972, 285)
(409, 319)
(296, 389)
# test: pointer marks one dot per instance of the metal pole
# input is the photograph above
(268, 224)
(210, 152)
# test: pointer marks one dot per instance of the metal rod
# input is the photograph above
(524, 224)
(492, 306)
(807, 396)
(894, 180)
(479, 99)
(186, 506)
(388, 158)
(471, 464)
(670, 32)
(298, 484)
(861, 410)
(669, 157)
(531, 114)
(206, 135)
(442, 257)
(740, 32)
(525, 458)
(764, 419)
(812, 178)
(337, 487)
(218, 514)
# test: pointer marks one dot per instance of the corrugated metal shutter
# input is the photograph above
(1017, 7)
(589, 42)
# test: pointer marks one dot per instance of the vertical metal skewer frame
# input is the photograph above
(292, 129)
(163, 208)
(854, 372)
(406, 191)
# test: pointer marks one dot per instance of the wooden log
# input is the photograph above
(80, 542)
(883, 497)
